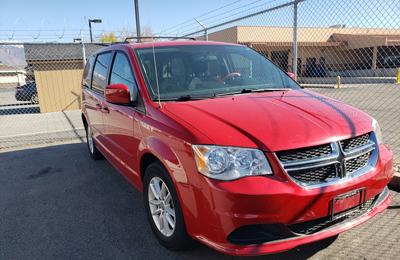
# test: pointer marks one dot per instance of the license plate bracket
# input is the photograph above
(347, 201)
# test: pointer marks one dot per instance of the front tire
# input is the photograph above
(93, 151)
(163, 208)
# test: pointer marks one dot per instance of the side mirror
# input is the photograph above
(118, 94)
(291, 75)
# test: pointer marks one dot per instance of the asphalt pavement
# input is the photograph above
(57, 203)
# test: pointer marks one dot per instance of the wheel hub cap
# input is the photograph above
(161, 206)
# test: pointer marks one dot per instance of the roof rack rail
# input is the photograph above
(163, 37)
(115, 43)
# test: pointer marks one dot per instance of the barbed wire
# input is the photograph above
(195, 25)
(97, 34)
(203, 20)
(191, 20)
(35, 34)
(39, 31)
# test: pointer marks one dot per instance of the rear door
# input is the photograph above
(94, 97)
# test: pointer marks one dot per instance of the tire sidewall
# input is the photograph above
(33, 98)
(157, 170)
(96, 155)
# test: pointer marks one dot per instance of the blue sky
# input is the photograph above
(118, 13)
(165, 14)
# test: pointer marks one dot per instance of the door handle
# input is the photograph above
(105, 110)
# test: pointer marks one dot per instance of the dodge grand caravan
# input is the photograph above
(228, 150)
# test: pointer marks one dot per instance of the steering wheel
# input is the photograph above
(231, 75)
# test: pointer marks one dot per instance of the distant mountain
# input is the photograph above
(12, 55)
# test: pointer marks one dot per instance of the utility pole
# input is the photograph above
(137, 20)
(295, 18)
(83, 51)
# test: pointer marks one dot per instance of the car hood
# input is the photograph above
(273, 121)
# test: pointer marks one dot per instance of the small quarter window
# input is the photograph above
(88, 72)
(100, 72)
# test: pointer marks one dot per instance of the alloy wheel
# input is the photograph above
(161, 206)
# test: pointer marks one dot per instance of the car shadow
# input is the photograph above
(57, 195)
(16, 104)
(20, 110)
(300, 253)
(65, 183)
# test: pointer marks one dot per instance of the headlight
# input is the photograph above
(377, 130)
(230, 163)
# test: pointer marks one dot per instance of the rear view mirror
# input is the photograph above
(118, 94)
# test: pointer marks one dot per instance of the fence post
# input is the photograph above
(83, 51)
(205, 30)
(294, 62)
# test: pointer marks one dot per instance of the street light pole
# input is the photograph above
(90, 27)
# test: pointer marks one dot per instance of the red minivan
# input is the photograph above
(228, 149)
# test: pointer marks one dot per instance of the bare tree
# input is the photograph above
(145, 31)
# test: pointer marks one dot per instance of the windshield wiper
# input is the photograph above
(253, 90)
(187, 97)
(195, 97)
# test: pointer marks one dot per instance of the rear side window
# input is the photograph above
(100, 72)
(122, 73)
(88, 72)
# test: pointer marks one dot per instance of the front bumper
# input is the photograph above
(261, 215)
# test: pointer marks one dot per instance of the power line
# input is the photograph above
(204, 14)
(230, 16)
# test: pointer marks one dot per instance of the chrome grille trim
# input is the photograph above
(354, 142)
(302, 164)
(304, 154)
(368, 147)
(338, 158)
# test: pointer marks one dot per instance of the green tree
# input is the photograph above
(108, 37)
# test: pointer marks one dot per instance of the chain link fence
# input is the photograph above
(348, 50)
(345, 49)
(40, 95)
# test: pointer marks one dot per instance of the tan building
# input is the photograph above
(58, 69)
(322, 51)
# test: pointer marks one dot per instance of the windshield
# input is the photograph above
(208, 70)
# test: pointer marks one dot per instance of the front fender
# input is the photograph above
(166, 155)
(185, 188)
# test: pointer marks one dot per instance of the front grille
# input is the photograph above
(305, 153)
(321, 165)
(354, 142)
(316, 225)
(355, 164)
(318, 174)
